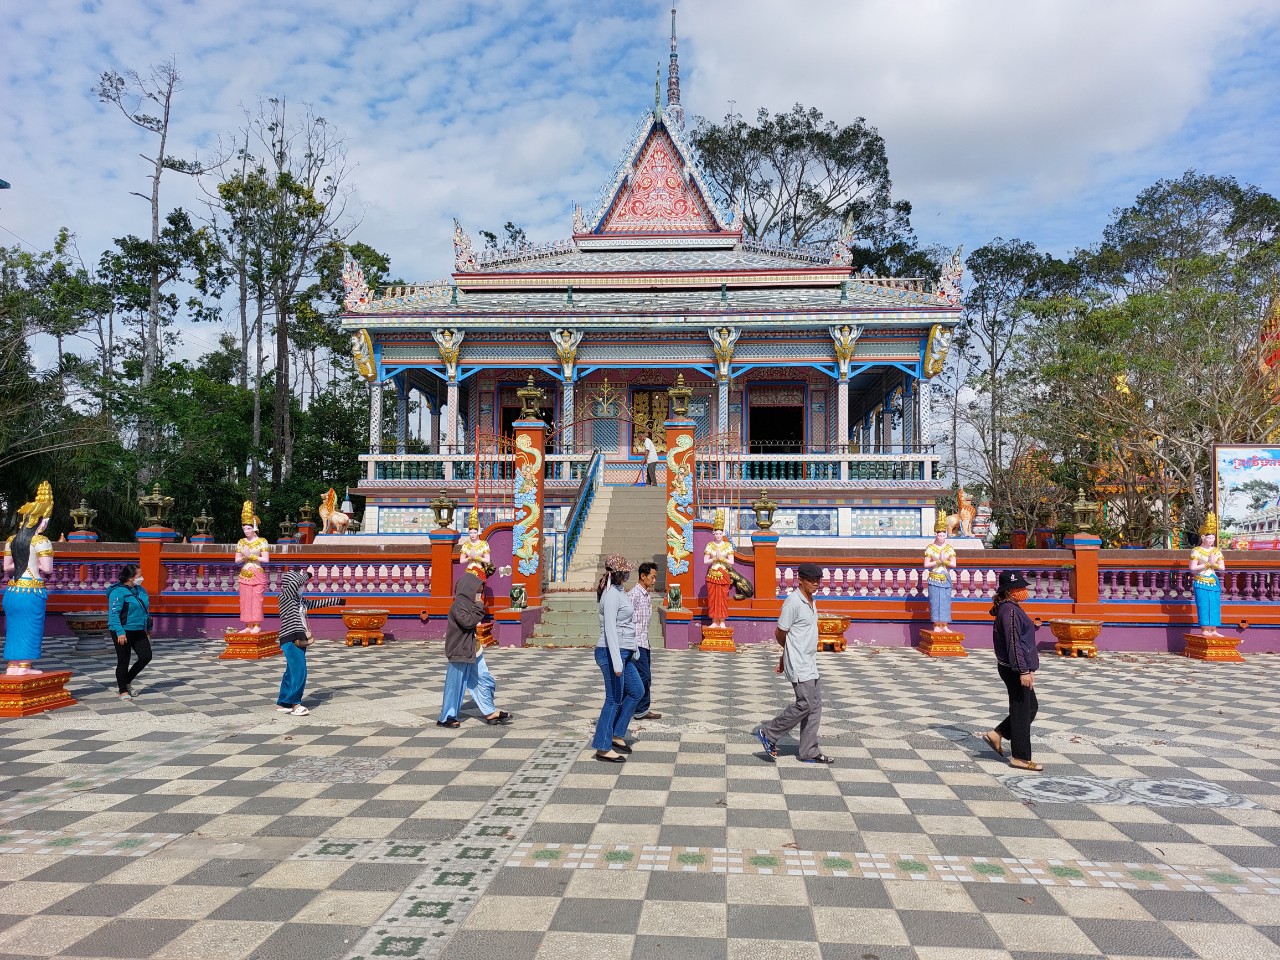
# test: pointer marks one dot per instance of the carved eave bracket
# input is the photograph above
(723, 340)
(935, 351)
(845, 339)
(464, 258)
(355, 292)
(566, 343)
(450, 344)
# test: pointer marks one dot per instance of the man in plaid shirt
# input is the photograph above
(641, 613)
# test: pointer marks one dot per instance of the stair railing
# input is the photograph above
(581, 508)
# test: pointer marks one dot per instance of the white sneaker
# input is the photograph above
(299, 711)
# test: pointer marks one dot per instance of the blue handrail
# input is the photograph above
(581, 508)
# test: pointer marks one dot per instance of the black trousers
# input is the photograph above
(136, 641)
(1023, 706)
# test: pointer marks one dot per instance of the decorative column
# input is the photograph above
(375, 418)
(723, 340)
(566, 343)
(526, 535)
(437, 422)
(449, 343)
(402, 414)
(679, 517)
(908, 413)
(567, 416)
(452, 422)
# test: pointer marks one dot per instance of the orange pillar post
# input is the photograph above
(442, 544)
(1084, 576)
(764, 547)
(530, 478)
(679, 523)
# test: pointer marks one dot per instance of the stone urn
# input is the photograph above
(364, 626)
(1076, 638)
(90, 628)
(831, 633)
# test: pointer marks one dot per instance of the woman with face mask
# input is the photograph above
(1014, 637)
(129, 620)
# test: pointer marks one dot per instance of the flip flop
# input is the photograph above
(997, 744)
(452, 723)
(1026, 765)
(770, 747)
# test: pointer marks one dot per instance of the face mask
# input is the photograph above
(138, 581)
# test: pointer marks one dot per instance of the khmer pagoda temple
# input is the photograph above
(809, 380)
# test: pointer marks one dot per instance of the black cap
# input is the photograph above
(811, 572)
(1011, 580)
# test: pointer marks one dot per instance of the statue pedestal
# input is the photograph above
(718, 640)
(484, 634)
(935, 643)
(364, 627)
(251, 646)
(1076, 638)
(34, 693)
(831, 633)
(1217, 649)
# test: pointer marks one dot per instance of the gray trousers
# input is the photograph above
(806, 711)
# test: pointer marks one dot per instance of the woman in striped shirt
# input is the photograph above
(295, 637)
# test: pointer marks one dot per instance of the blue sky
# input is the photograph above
(1002, 118)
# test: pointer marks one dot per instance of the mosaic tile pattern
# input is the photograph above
(882, 866)
(421, 920)
(69, 843)
(331, 770)
(1105, 790)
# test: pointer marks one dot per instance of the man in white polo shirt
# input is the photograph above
(650, 460)
(797, 632)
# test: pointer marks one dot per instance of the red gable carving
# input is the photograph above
(658, 198)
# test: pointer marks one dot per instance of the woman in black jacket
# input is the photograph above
(1017, 659)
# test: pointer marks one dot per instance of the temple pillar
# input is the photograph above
(402, 414)
(722, 406)
(437, 423)
(908, 413)
(842, 424)
(886, 424)
(924, 411)
(678, 619)
(530, 479)
(567, 416)
(453, 421)
(375, 418)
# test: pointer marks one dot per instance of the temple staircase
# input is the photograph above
(626, 520)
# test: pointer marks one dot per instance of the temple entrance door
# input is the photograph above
(776, 430)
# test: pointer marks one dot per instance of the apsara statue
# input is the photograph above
(1206, 562)
(332, 520)
(252, 554)
(28, 560)
(719, 556)
(474, 552)
(940, 560)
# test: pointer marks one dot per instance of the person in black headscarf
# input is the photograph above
(467, 669)
(1017, 659)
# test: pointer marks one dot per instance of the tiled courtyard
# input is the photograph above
(197, 822)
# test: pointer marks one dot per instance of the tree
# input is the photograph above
(132, 94)
(291, 204)
(799, 179)
(515, 237)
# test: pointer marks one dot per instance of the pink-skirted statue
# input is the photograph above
(252, 553)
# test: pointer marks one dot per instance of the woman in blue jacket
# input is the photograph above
(1017, 659)
(129, 620)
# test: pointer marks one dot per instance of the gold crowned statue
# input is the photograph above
(28, 561)
(1206, 564)
(252, 554)
(474, 553)
(719, 557)
(940, 560)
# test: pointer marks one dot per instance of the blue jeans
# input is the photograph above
(295, 675)
(644, 668)
(464, 677)
(621, 694)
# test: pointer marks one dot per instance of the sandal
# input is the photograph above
(820, 758)
(1026, 765)
(502, 718)
(770, 747)
(452, 723)
(994, 741)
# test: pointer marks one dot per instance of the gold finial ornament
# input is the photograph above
(1210, 525)
(473, 519)
(718, 523)
(940, 525)
(41, 508)
(247, 517)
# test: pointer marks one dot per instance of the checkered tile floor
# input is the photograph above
(197, 822)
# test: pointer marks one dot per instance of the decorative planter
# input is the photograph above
(364, 627)
(90, 628)
(1076, 638)
(831, 633)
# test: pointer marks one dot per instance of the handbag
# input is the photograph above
(304, 641)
